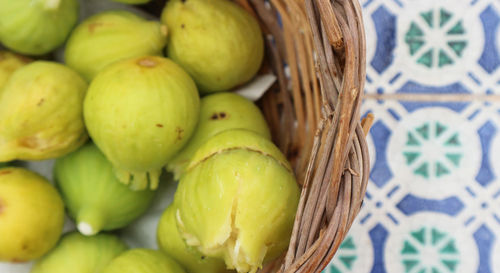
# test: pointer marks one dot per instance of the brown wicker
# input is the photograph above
(316, 48)
(314, 115)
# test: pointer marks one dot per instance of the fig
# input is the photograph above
(10, 62)
(143, 261)
(133, 2)
(237, 200)
(171, 242)
(36, 27)
(217, 42)
(76, 253)
(140, 112)
(220, 112)
(94, 197)
(41, 114)
(31, 215)
(111, 36)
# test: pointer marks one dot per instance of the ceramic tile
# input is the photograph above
(429, 46)
(433, 201)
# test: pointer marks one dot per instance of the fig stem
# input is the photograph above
(52, 4)
(89, 222)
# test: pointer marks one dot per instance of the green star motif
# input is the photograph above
(345, 258)
(429, 250)
(432, 151)
(432, 52)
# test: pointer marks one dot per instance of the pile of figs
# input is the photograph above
(118, 100)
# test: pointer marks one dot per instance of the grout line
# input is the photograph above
(434, 97)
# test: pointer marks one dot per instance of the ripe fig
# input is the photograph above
(76, 253)
(217, 42)
(31, 215)
(220, 112)
(94, 197)
(142, 260)
(237, 200)
(112, 36)
(36, 27)
(41, 114)
(140, 112)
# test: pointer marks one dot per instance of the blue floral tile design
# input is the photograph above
(433, 201)
(428, 46)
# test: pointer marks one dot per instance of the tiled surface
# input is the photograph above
(433, 202)
(433, 46)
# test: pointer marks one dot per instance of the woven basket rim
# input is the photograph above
(322, 44)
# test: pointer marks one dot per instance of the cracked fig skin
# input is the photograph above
(92, 194)
(36, 27)
(217, 42)
(112, 36)
(140, 112)
(31, 215)
(76, 253)
(237, 200)
(220, 112)
(171, 242)
(41, 114)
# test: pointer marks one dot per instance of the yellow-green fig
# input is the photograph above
(31, 215)
(111, 36)
(133, 2)
(41, 114)
(140, 112)
(76, 253)
(94, 197)
(10, 62)
(220, 112)
(141, 260)
(171, 242)
(36, 27)
(237, 200)
(217, 42)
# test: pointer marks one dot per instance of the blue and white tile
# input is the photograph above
(435, 171)
(428, 46)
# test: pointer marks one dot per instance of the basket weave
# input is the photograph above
(316, 48)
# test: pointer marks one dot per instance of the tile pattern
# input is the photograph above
(433, 202)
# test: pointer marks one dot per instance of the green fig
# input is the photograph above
(217, 42)
(220, 112)
(171, 242)
(31, 215)
(10, 62)
(133, 2)
(140, 112)
(94, 197)
(41, 113)
(237, 200)
(76, 253)
(143, 261)
(112, 36)
(36, 27)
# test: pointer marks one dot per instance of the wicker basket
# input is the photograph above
(316, 48)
